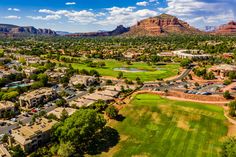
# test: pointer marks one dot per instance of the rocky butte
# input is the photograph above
(13, 30)
(227, 29)
(162, 25)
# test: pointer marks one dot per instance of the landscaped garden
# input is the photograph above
(137, 69)
(156, 126)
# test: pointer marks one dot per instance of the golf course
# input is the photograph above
(137, 69)
(156, 126)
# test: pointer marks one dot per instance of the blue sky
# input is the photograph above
(93, 15)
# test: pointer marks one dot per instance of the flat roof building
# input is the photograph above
(36, 97)
(30, 137)
(6, 106)
(4, 152)
(192, 54)
(58, 111)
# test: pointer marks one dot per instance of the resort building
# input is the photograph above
(36, 97)
(223, 70)
(6, 106)
(192, 54)
(31, 136)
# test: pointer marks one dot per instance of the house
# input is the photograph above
(6, 106)
(32, 136)
(29, 71)
(36, 97)
(223, 70)
(54, 76)
(83, 79)
(5, 73)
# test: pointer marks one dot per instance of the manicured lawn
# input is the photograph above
(155, 126)
(152, 73)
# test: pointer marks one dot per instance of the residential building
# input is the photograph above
(4, 152)
(58, 111)
(83, 79)
(36, 97)
(29, 71)
(6, 106)
(32, 136)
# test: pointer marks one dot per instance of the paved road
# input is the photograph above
(183, 75)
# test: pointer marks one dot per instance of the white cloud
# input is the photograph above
(125, 16)
(70, 3)
(202, 12)
(13, 9)
(83, 16)
(13, 17)
(46, 18)
(143, 3)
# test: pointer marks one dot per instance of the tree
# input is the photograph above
(43, 78)
(112, 112)
(37, 85)
(120, 75)
(232, 108)
(10, 95)
(79, 128)
(66, 149)
(17, 152)
(227, 82)
(228, 148)
(227, 95)
(64, 115)
(185, 63)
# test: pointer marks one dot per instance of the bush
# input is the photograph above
(227, 95)
(111, 112)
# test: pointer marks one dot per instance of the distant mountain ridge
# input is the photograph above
(118, 31)
(13, 30)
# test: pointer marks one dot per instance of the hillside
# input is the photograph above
(13, 30)
(161, 25)
(227, 29)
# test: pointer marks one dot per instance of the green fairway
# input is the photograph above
(151, 73)
(155, 126)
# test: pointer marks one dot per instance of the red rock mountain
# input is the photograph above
(227, 29)
(162, 25)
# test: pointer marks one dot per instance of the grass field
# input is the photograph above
(151, 74)
(155, 126)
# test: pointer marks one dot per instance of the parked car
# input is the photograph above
(206, 93)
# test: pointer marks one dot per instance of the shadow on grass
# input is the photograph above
(120, 118)
(103, 141)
